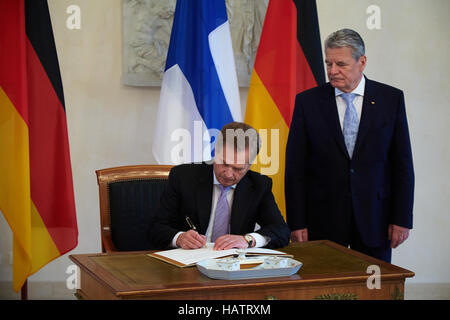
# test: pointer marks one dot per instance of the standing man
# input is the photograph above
(220, 202)
(349, 170)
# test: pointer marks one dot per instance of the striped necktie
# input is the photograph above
(222, 215)
(351, 123)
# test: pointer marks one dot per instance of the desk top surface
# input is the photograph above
(323, 261)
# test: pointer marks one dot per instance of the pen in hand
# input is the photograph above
(192, 239)
(191, 224)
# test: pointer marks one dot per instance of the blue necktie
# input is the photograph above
(222, 216)
(351, 123)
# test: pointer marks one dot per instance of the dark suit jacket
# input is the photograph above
(189, 192)
(323, 185)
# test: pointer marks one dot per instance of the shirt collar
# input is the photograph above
(216, 182)
(359, 90)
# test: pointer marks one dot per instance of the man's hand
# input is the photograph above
(300, 235)
(230, 241)
(191, 240)
(397, 235)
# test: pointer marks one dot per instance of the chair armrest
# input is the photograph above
(107, 244)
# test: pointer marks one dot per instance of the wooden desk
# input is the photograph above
(329, 271)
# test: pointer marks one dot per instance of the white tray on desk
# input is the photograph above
(210, 269)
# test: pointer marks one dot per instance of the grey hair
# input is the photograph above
(346, 38)
(240, 136)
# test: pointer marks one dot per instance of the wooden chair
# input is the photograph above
(129, 196)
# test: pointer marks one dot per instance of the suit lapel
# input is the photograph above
(367, 114)
(203, 195)
(241, 201)
(330, 113)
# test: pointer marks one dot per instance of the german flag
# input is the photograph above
(36, 189)
(289, 61)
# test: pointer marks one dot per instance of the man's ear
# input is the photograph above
(362, 63)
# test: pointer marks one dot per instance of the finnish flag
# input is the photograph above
(199, 91)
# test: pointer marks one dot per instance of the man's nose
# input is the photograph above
(228, 172)
(333, 69)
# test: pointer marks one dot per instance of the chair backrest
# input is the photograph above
(129, 196)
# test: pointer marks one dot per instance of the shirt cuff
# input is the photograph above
(260, 240)
(174, 240)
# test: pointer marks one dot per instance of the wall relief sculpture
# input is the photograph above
(146, 35)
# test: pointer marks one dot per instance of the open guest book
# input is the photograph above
(189, 257)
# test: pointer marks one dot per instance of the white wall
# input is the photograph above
(110, 124)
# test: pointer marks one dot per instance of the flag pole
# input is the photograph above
(24, 290)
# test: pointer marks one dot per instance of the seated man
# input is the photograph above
(222, 202)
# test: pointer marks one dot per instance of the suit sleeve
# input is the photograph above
(165, 224)
(403, 171)
(271, 221)
(295, 174)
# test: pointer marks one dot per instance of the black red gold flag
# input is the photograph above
(36, 188)
(289, 60)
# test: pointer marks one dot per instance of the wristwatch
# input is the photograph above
(249, 240)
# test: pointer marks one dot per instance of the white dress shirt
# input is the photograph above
(357, 102)
(260, 241)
